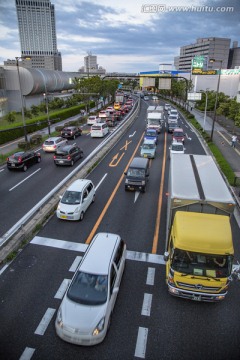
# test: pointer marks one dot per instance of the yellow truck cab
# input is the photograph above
(199, 247)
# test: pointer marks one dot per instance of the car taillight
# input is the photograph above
(55, 146)
(19, 159)
(69, 157)
(54, 157)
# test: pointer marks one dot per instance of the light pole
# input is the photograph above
(21, 95)
(205, 111)
(215, 107)
(46, 102)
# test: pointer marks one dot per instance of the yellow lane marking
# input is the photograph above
(158, 218)
(98, 222)
(115, 161)
(126, 145)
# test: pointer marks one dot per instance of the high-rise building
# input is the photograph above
(37, 31)
(211, 48)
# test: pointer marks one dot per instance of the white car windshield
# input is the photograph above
(88, 289)
(71, 197)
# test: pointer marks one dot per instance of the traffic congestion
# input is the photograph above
(104, 269)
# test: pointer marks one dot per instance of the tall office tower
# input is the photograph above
(37, 31)
(211, 48)
(90, 63)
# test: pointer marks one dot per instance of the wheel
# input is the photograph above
(38, 160)
(81, 216)
(93, 199)
(74, 137)
(144, 189)
(25, 168)
(72, 162)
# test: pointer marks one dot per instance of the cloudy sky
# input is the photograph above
(126, 35)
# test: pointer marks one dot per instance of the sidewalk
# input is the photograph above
(222, 139)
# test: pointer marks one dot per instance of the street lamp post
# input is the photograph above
(205, 110)
(215, 106)
(21, 95)
(46, 102)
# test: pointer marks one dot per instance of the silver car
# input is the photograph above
(53, 143)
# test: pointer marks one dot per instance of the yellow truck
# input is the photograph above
(199, 248)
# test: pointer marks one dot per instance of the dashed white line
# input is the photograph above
(27, 354)
(150, 276)
(42, 327)
(140, 349)
(97, 186)
(147, 303)
(75, 264)
(62, 289)
(25, 179)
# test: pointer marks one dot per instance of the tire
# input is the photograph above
(81, 216)
(72, 163)
(25, 168)
(93, 199)
(144, 189)
(74, 137)
(38, 160)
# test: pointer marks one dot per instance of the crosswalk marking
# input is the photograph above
(68, 245)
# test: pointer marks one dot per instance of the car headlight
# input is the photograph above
(59, 318)
(76, 210)
(99, 327)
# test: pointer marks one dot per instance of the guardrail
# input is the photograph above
(117, 133)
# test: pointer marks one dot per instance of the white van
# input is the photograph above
(99, 130)
(93, 119)
(84, 315)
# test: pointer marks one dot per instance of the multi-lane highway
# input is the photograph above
(147, 322)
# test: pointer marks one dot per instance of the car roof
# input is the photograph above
(65, 147)
(151, 130)
(99, 253)
(78, 185)
(53, 138)
(178, 130)
(149, 141)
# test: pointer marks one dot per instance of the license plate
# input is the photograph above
(12, 165)
(63, 216)
(60, 161)
(196, 298)
(145, 155)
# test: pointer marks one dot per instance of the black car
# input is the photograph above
(70, 132)
(22, 160)
(67, 155)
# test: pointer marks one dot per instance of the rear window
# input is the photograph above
(178, 133)
(49, 142)
(96, 127)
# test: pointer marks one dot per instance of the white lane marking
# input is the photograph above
(147, 303)
(25, 179)
(62, 289)
(47, 317)
(96, 187)
(3, 269)
(188, 137)
(132, 134)
(145, 257)
(75, 264)
(68, 245)
(150, 276)
(27, 354)
(136, 195)
(60, 244)
(140, 349)
(2, 170)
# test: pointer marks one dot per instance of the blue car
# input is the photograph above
(151, 134)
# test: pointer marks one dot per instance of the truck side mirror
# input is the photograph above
(166, 256)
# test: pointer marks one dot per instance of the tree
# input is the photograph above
(34, 110)
(11, 116)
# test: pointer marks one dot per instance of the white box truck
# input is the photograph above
(199, 247)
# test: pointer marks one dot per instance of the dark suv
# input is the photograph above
(67, 155)
(70, 132)
(22, 160)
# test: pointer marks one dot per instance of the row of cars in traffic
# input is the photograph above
(178, 135)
